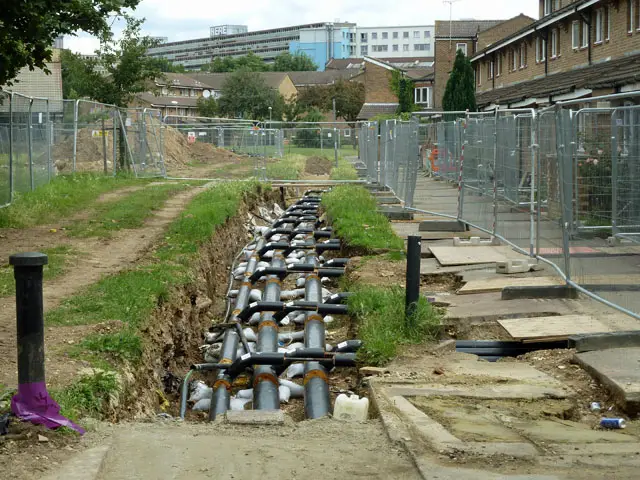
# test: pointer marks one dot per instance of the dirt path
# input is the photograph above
(96, 258)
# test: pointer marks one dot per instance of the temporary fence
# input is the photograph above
(560, 184)
(41, 138)
(399, 157)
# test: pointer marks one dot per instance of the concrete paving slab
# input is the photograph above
(485, 392)
(450, 256)
(255, 417)
(442, 226)
(84, 466)
(619, 370)
(556, 327)
(544, 432)
(497, 284)
(604, 341)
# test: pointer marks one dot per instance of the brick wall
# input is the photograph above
(445, 54)
(619, 44)
(377, 85)
(492, 35)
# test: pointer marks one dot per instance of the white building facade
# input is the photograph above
(395, 42)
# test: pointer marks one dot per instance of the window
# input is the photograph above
(405, 34)
(364, 50)
(599, 25)
(422, 47)
(427, 34)
(422, 95)
(380, 48)
(630, 15)
(499, 65)
(575, 35)
(636, 13)
(585, 34)
(490, 71)
(555, 42)
(405, 47)
(395, 48)
(416, 34)
(514, 60)
(541, 50)
(385, 35)
(462, 46)
(364, 37)
(523, 55)
(608, 35)
(395, 35)
(374, 36)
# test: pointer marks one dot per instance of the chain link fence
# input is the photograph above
(560, 184)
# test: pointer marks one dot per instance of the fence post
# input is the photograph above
(534, 174)
(461, 174)
(494, 228)
(49, 139)
(565, 195)
(614, 174)
(11, 147)
(104, 148)
(30, 144)
(335, 144)
(75, 134)
(114, 112)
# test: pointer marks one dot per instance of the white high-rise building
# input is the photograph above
(395, 42)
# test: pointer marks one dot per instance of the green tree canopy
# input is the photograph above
(28, 28)
(129, 70)
(298, 62)
(459, 94)
(165, 66)
(245, 94)
(349, 98)
(207, 107)
(403, 87)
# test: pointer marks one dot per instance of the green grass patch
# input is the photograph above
(353, 213)
(62, 197)
(289, 168)
(88, 395)
(128, 212)
(344, 171)
(58, 258)
(380, 313)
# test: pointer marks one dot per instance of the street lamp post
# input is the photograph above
(270, 111)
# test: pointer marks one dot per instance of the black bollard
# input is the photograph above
(30, 317)
(32, 403)
(413, 278)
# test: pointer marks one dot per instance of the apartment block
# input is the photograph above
(577, 49)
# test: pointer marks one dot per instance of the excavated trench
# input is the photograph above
(250, 331)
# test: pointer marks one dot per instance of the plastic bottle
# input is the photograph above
(351, 409)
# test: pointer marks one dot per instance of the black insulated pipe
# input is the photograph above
(222, 386)
(338, 298)
(413, 278)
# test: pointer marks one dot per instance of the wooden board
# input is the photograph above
(552, 328)
(497, 284)
(452, 256)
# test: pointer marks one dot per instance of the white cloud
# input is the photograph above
(184, 19)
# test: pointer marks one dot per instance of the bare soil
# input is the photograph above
(318, 166)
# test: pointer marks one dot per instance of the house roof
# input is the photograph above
(381, 63)
(463, 28)
(536, 25)
(304, 79)
(164, 101)
(370, 110)
(36, 83)
(615, 73)
(352, 63)
(180, 80)
(215, 81)
(421, 73)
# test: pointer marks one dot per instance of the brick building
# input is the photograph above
(468, 36)
(578, 48)
(380, 99)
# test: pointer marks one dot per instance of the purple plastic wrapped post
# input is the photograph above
(33, 404)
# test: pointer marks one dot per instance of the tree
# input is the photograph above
(76, 74)
(165, 66)
(207, 107)
(459, 95)
(221, 65)
(349, 99)
(403, 88)
(298, 62)
(245, 94)
(28, 29)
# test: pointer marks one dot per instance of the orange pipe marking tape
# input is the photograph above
(265, 377)
(315, 374)
(267, 323)
(222, 383)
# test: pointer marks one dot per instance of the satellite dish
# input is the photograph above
(206, 94)
(173, 102)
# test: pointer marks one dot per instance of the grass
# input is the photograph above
(58, 257)
(289, 168)
(132, 295)
(128, 212)
(62, 197)
(353, 213)
(88, 395)
(382, 327)
(344, 171)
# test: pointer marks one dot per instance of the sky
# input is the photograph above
(187, 19)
